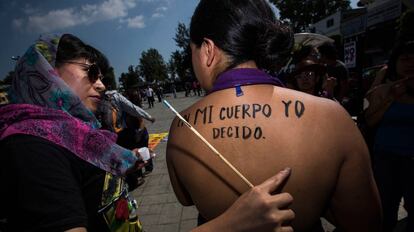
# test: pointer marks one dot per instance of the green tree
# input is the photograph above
(109, 79)
(181, 58)
(303, 13)
(152, 66)
(182, 36)
(8, 79)
(123, 82)
(175, 65)
(130, 79)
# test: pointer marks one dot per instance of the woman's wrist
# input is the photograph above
(220, 223)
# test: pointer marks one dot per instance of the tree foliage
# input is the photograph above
(152, 66)
(182, 36)
(303, 13)
(8, 79)
(109, 79)
(180, 60)
(130, 79)
(176, 66)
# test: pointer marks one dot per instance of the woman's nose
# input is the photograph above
(99, 86)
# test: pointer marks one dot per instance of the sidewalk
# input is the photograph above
(158, 208)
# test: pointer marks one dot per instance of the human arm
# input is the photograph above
(380, 99)
(79, 229)
(328, 87)
(257, 210)
(380, 76)
(132, 109)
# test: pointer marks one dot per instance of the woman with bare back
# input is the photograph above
(261, 127)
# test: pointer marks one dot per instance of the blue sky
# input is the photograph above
(121, 29)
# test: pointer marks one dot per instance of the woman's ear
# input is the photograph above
(58, 71)
(210, 51)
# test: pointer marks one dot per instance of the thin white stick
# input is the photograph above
(208, 144)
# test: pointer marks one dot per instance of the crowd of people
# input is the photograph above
(73, 150)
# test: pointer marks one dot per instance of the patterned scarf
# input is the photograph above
(43, 105)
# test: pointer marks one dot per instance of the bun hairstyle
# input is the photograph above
(244, 29)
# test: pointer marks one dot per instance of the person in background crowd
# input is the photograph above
(187, 88)
(336, 69)
(174, 90)
(149, 92)
(142, 135)
(260, 127)
(134, 95)
(194, 86)
(159, 91)
(310, 77)
(390, 113)
(135, 135)
(307, 52)
(113, 109)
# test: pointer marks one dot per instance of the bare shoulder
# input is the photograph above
(323, 110)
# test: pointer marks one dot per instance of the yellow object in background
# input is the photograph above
(155, 139)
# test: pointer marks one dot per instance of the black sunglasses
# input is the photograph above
(94, 73)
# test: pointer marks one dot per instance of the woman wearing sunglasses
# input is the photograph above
(56, 157)
(57, 166)
(310, 77)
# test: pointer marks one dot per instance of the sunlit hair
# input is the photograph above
(71, 48)
(244, 29)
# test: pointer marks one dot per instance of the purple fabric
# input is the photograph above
(92, 145)
(243, 76)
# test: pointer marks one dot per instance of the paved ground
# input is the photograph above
(158, 207)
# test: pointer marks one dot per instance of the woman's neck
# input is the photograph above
(248, 64)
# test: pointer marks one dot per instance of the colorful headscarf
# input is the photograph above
(43, 105)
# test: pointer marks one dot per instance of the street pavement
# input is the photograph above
(159, 209)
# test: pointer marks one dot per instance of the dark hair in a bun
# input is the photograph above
(244, 29)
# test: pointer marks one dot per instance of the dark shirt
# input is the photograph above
(132, 138)
(396, 131)
(47, 188)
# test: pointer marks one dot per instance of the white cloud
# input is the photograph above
(83, 15)
(159, 12)
(56, 19)
(162, 8)
(135, 22)
(157, 15)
